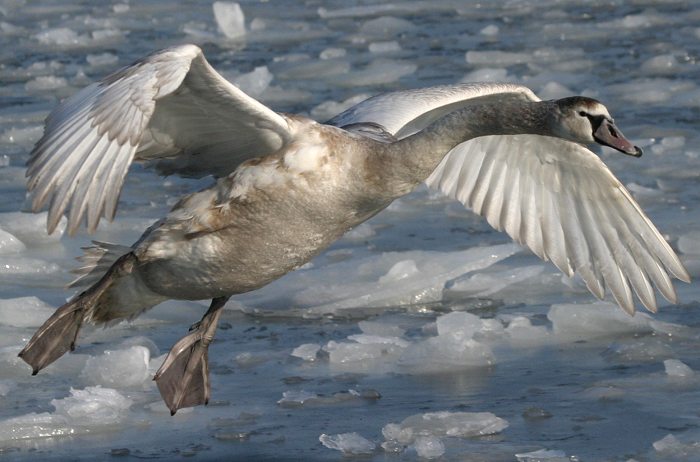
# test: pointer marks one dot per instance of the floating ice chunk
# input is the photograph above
(642, 192)
(258, 24)
(307, 351)
(24, 312)
(523, 333)
(327, 69)
(690, 243)
(119, 368)
(360, 355)
(676, 368)
(30, 228)
(445, 353)
(635, 21)
(367, 339)
(91, 410)
(25, 136)
(646, 349)
(379, 72)
(668, 143)
(23, 269)
(255, 83)
(444, 424)
(93, 406)
(10, 244)
(385, 26)
(35, 425)
(120, 8)
(662, 64)
(348, 443)
(543, 455)
(490, 30)
(389, 279)
(554, 90)
(600, 319)
(45, 83)
(105, 36)
(667, 442)
(250, 359)
(488, 74)
(396, 432)
(301, 397)
(11, 29)
(384, 47)
(401, 270)
(332, 53)
(671, 448)
(328, 109)
(296, 398)
(459, 324)
(6, 386)
(497, 58)
(380, 328)
(429, 447)
(61, 36)
(360, 232)
(486, 284)
(230, 19)
(102, 59)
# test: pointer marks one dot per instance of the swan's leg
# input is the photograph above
(183, 379)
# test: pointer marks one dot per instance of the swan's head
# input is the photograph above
(586, 120)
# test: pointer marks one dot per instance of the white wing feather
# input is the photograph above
(171, 108)
(554, 196)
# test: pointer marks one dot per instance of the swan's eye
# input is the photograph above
(582, 113)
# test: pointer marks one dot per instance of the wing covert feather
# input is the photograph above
(170, 108)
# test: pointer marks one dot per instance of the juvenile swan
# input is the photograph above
(287, 187)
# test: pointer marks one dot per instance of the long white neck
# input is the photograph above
(408, 162)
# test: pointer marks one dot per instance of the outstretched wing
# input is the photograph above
(554, 196)
(171, 109)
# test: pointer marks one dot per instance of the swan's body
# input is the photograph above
(288, 187)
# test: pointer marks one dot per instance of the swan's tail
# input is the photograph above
(98, 304)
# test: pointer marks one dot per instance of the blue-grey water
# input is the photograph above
(573, 379)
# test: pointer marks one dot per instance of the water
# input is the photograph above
(582, 381)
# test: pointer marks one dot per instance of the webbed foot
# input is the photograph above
(183, 379)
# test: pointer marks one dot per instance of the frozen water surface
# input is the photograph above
(423, 333)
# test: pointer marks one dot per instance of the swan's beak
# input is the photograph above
(608, 134)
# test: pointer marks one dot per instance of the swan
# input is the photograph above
(286, 187)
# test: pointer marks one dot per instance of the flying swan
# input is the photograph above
(287, 187)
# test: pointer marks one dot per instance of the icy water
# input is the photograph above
(422, 333)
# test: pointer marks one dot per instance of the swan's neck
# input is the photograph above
(409, 161)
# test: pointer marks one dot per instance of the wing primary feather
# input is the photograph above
(577, 247)
(650, 235)
(469, 173)
(84, 179)
(599, 234)
(98, 187)
(510, 214)
(65, 180)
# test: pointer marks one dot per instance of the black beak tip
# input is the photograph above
(637, 152)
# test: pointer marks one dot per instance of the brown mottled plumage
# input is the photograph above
(287, 187)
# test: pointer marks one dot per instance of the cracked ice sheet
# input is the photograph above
(92, 410)
(388, 279)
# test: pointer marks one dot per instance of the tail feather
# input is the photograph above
(97, 260)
